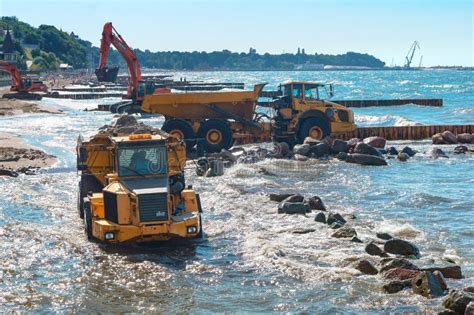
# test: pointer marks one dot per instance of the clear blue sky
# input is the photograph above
(383, 28)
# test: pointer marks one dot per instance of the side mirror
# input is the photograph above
(331, 90)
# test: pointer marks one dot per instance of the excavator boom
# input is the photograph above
(20, 84)
(110, 36)
(14, 73)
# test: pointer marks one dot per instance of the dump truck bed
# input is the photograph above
(195, 106)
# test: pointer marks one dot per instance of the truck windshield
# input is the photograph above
(311, 92)
(142, 160)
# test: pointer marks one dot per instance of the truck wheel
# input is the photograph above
(87, 183)
(217, 135)
(201, 231)
(181, 129)
(88, 219)
(124, 109)
(80, 203)
(315, 127)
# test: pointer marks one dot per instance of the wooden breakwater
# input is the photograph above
(435, 102)
(417, 132)
(84, 96)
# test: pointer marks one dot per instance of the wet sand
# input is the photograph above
(9, 107)
(17, 156)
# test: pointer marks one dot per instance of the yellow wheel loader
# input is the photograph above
(132, 188)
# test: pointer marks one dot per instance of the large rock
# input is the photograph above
(315, 203)
(458, 300)
(364, 148)
(320, 217)
(392, 151)
(366, 159)
(366, 267)
(427, 284)
(294, 198)
(279, 197)
(401, 274)
(391, 263)
(376, 142)
(293, 207)
(441, 279)
(403, 157)
(335, 217)
(460, 149)
(311, 141)
(453, 272)
(345, 232)
(437, 138)
(449, 137)
(302, 149)
(438, 153)
(5, 172)
(351, 143)
(396, 286)
(384, 236)
(339, 146)
(342, 156)
(408, 151)
(320, 150)
(374, 250)
(465, 138)
(401, 247)
(469, 309)
(300, 158)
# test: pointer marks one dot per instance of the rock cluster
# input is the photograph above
(447, 137)
(24, 155)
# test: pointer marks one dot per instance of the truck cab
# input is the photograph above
(302, 111)
(132, 189)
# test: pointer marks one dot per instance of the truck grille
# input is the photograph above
(153, 207)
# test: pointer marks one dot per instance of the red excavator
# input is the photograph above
(24, 87)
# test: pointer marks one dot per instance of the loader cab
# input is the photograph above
(144, 159)
(145, 88)
(306, 91)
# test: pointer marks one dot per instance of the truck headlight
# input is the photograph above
(109, 236)
(192, 229)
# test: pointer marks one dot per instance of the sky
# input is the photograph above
(383, 28)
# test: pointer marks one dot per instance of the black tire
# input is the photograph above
(88, 183)
(179, 126)
(309, 124)
(201, 230)
(215, 126)
(88, 219)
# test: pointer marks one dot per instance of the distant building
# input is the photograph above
(65, 67)
(8, 52)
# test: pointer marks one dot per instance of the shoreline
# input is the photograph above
(18, 157)
(12, 107)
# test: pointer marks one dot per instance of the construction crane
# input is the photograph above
(411, 53)
(22, 86)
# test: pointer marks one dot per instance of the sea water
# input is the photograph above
(250, 259)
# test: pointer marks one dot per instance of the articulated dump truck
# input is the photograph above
(218, 119)
(132, 188)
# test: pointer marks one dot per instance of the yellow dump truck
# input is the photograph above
(220, 118)
(132, 188)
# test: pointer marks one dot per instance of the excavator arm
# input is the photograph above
(110, 36)
(14, 73)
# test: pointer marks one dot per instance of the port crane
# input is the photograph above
(411, 53)
(23, 86)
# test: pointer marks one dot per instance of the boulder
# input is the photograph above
(437, 138)
(311, 141)
(320, 217)
(384, 236)
(339, 146)
(402, 157)
(469, 309)
(294, 198)
(302, 149)
(401, 274)
(366, 159)
(449, 137)
(391, 263)
(401, 247)
(441, 279)
(5, 172)
(409, 151)
(437, 153)
(320, 150)
(460, 149)
(453, 272)
(336, 225)
(328, 140)
(342, 156)
(376, 142)
(396, 286)
(300, 158)
(392, 151)
(374, 250)
(303, 231)
(279, 197)
(465, 138)
(293, 207)
(366, 267)
(281, 150)
(345, 232)
(315, 203)
(427, 284)
(335, 217)
(364, 148)
(458, 300)
(352, 142)
(355, 239)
